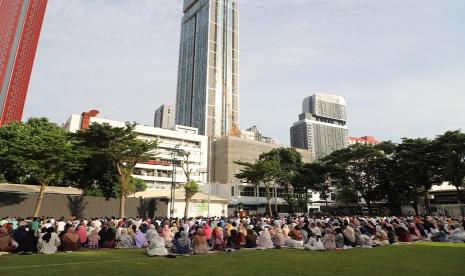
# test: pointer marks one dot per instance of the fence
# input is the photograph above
(57, 205)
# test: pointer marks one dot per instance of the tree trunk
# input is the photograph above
(269, 206)
(306, 203)
(122, 202)
(415, 207)
(368, 206)
(186, 209)
(427, 204)
(40, 198)
(461, 199)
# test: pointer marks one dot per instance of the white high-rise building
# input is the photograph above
(322, 125)
(158, 173)
(208, 70)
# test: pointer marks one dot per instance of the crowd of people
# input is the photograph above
(162, 236)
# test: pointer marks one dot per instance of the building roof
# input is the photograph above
(25, 189)
(444, 187)
(179, 195)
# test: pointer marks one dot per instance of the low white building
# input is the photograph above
(201, 204)
(158, 173)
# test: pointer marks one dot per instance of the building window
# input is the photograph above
(232, 191)
(333, 196)
(248, 191)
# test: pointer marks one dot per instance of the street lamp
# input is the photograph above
(174, 152)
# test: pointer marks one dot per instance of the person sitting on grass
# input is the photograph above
(124, 240)
(218, 242)
(457, 234)
(250, 239)
(278, 237)
(234, 241)
(402, 232)
(182, 244)
(6, 242)
(339, 238)
(140, 239)
(107, 237)
(329, 240)
(70, 240)
(349, 236)
(200, 242)
(381, 237)
(82, 233)
(157, 246)
(295, 236)
(264, 240)
(49, 242)
(362, 240)
(440, 236)
(93, 240)
(28, 244)
(167, 235)
(314, 243)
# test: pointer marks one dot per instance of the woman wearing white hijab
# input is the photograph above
(264, 240)
(157, 245)
(381, 237)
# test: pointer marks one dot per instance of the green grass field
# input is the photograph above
(417, 259)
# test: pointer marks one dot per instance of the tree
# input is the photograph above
(121, 150)
(451, 157)
(138, 185)
(346, 196)
(190, 189)
(314, 177)
(288, 163)
(260, 172)
(357, 167)
(40, 151)
(418, 170)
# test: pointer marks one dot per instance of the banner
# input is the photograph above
(199, 207)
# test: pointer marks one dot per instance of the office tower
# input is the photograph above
(208, 70)
(20, 24)
(322, 125)
(164, 117)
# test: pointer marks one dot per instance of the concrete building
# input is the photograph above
(208, 72)
(164, 117)
(20, 25)
(228, 149)
(322, 125)
(363, 140)
(158, 173)
(254, 134)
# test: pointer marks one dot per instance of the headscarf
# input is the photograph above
(184, 239)
(5, 239)
(48, 235)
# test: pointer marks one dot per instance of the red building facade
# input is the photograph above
(20, 25)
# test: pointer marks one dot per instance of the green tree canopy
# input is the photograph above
(38, 151)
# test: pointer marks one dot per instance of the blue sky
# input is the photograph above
(399, 63)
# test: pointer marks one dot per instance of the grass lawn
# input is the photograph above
(417, 259)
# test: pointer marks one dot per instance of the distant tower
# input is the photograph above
(208, 70)
(20, 24)
(164, 117)
(322, 125)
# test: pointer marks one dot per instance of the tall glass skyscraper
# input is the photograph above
(208, 71)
